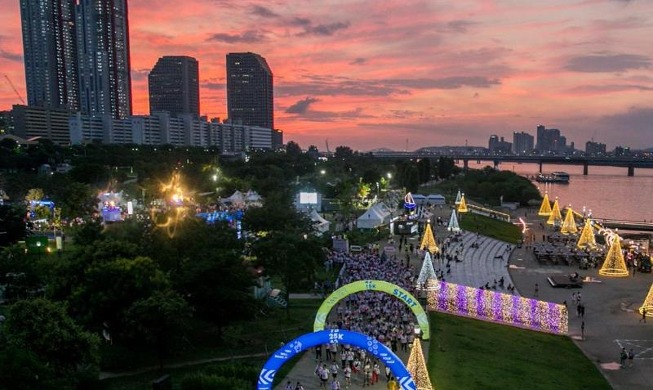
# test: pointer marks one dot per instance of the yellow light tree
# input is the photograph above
(556, 216)
(462, 206)
(545, 208)
(587, 239)
(417, 367)
(428, 241)
(569, 225)
(648, 303)
(614, 263)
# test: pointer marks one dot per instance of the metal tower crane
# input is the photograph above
(15, 90)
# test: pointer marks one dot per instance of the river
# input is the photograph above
(607, 191)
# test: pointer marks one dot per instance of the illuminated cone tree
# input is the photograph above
(428, 241)
(569, 225)
(417, 367)
(556, 216)
(458, 198)
(648, 303)
(614, 264)
(587, 239)
(453, 222)
(545, 208)
(462, 206)
(427, 272)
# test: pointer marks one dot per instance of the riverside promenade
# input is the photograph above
(611, 320)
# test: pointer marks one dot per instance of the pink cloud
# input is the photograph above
(371, 74)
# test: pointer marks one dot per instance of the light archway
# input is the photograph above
(373, 285)
(335, 336)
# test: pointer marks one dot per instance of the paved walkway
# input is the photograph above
(611, 320)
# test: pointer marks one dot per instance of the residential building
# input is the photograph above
(174, 86)
(499, 145)
(595, 148)
(50, 123)
(50, 53)
(162, 128)
(104, 59)
(522, 143)
(250, 97)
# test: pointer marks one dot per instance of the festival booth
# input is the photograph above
(321, 225)
(436, 199)
(236, 199)
(375, 216)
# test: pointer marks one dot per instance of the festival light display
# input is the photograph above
(587, 239)
(614, 263)
(493, 306)
(427, 272)
(428, 241)
(176, 198)
(556, 216)
(648, 304)
(409, 202)
(453, 222)
(458, 198)
(569, 225)
(545, 208)
(417, 367)
(462, 206)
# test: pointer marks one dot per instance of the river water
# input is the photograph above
(607, 191)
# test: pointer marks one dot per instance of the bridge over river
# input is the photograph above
(630, 163)
(643, 226)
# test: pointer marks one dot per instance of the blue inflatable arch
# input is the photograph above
(335, 336)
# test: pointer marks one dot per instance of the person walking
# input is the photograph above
(631, 357)
(643, 315)
(622, 357)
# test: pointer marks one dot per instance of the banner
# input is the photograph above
(373, 285)
(335, 336)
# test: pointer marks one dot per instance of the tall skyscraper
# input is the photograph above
(174, 86)
(104, 62)
(250, 98)
(522, 143)
(50, 53)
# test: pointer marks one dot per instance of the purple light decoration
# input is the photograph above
(499, 307)
(515, 310)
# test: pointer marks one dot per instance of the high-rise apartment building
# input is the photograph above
(174, 86)
(50, 53)
(522, 143)
(250, 98)
(104, 62)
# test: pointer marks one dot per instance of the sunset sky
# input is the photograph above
(406, 74)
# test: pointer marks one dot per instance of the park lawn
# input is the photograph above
(471, 354)
(490, 227)
(263, 335)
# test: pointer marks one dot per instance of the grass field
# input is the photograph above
(490, 227)
(471, 354)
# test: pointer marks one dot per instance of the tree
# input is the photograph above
(293, 149)
(34, 194)
(293, 258)
(424, 169)
(108, 289)
(161, 321)
(42, 336)
(12, 224)
(343, 153)
(219, 288)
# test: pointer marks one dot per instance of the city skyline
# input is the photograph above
(403, 76)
